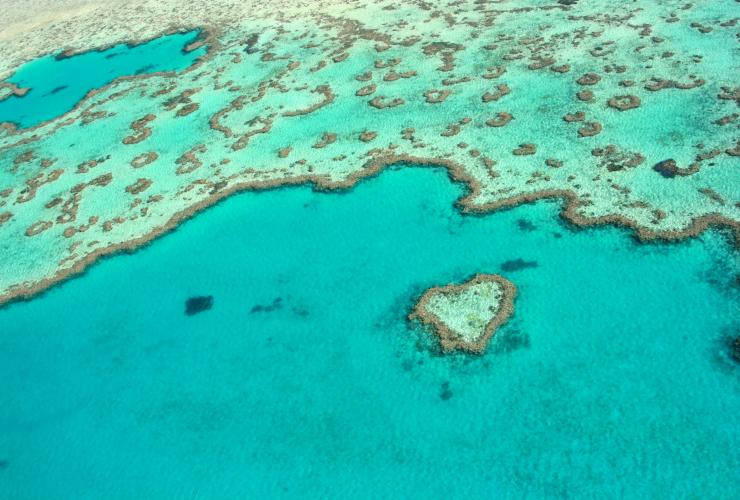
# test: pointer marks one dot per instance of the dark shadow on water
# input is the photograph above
(517, 265)
(58, 89)
(726, 350)
(277, 304)
(144, 69)
(445, 393)
(508, 340)
(525, 225)
(195, 305)
(250, 43)
(734, 348)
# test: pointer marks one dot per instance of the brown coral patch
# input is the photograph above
(380, 102)
(284, 152)
(624, 102)
(86, 166)
(564, 68)
(368, 136)
(183, 98)
(447, 52)
(451, 130)
(32, 185)
(435, 96)
(585, 95)
(729, 94)
(71, 231)
(494, 72)
(614, 159)
(590, 129)
(326, 139)
(588, 79)
(727, 119)
(501, 90)
(454, 81)
(318, 67)
(144, 159)
(187, 109)
(140, 127)
(660, 84)
(669, 169)
(380, 64)
(578, 116)
(502, 119)
(38, 227)
(195, 45)
(139, 186)
(25, 157)
(392, 76)
(525, 149)
(541, 62)
(101, 180)
(244, 139)
(328, 98)
(712, 195)
(188, 161)
(366, 90)
(431, 49)
(12, 90)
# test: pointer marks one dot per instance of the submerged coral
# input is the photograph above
(195, 305)
(331, 94)
(466, 316)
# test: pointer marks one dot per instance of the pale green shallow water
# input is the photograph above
(611, 380)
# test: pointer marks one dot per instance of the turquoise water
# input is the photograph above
(611, 380)
(57, 85)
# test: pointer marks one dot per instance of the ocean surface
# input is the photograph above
(58, 83)
(302, 376)
(304, 379)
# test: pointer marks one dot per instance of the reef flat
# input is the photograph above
(629, 113)
(466, 316)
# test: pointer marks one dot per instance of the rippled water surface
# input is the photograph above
(304, 378)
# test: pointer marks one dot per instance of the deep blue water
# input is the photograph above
(57, 85)
(611, 380)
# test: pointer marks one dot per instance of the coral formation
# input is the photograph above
(466, 316)
(327, 96)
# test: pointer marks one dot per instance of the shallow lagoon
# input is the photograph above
(58, 84)
(611, 379)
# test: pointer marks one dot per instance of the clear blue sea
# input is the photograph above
(611, 380)
(57, 85)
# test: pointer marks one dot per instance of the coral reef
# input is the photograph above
(466, 316)
(287, 95)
